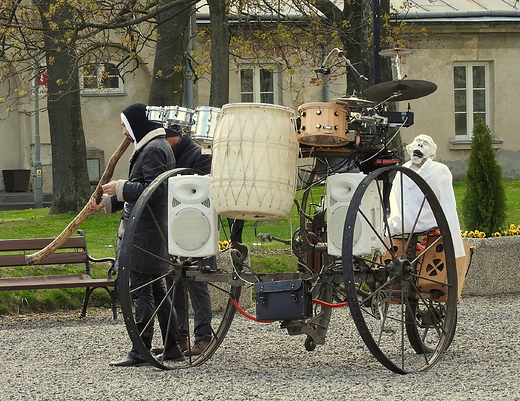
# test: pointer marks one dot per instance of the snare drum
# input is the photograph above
(178, 115)
(155, 114)
(323, 124)
(205, 123)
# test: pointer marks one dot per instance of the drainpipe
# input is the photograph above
(188, 83)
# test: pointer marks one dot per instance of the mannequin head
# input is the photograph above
(421, 149)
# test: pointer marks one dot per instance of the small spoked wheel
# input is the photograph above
(400, 276)
(200, 322)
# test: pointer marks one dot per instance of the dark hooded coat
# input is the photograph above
(152, 157)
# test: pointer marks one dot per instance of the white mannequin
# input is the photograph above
(438, 176)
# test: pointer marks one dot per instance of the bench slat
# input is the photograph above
(53, 259)
(49, 282)
(35, 244)
(73, 251)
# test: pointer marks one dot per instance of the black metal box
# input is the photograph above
(283, 300)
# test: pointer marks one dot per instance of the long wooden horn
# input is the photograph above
(81, 217)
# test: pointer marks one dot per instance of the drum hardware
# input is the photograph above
(399, 118)
(396, 51)
(354, 101)
(375, 119)
(400, 90)
(323, 69)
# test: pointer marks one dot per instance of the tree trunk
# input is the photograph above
(71, 189)
(219, 92)
(169, 64)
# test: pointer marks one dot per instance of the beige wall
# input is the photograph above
(434, 56)
(101, 125)
(433, 61)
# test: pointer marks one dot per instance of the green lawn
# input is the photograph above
(100, 230)
(512, 189)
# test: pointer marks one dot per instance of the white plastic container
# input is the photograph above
(254, 167)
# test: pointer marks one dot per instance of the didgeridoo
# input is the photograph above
(85, 212)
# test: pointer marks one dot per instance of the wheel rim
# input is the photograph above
(397, 311)
(182, 275)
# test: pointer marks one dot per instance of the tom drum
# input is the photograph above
(178, 115)
(155, 114)
(205, 122)
(323, 124)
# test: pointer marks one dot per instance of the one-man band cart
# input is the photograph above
(401, 288)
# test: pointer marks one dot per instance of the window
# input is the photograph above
(259, 85)
(471, 90)
(103, 77)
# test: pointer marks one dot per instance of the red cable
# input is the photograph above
(328, 305)
(317, 301)
(243, 312)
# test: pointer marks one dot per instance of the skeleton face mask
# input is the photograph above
(421, 149)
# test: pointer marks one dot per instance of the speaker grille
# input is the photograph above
(182, 230)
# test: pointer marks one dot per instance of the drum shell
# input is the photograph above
(178, 115)
(205, 123)
(254, 166)
(155, 114)
(323, 124)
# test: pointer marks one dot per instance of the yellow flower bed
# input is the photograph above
(512, 230)
(223, 245)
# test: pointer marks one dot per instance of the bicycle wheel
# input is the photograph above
(221, 288)
(401, 283)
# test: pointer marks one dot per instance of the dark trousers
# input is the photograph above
(201, 303)
(146, 300)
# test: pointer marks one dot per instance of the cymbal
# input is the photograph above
(407, 89)
(396, 51)
(353, 101)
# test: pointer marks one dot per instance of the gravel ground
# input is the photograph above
(60, 357)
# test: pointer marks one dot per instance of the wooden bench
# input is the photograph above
(73, 251)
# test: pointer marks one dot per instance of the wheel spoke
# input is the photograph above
(216, 322)
(406, 315)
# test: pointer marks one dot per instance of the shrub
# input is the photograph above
(484, 203)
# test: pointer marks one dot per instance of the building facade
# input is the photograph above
(469, 50)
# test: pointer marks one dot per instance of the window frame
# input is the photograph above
(257, 83)
(470, 92)
(99, 75)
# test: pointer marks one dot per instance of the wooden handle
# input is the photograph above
(85, 212)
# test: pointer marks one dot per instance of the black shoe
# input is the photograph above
(174, 355)
(130, 360)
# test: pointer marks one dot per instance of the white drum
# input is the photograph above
(205, 123)
(155, 114)
(178, 115)
(254, 167)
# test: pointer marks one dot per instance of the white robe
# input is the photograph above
(439, 178)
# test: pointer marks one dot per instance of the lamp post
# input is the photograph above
(37, 164)
(376, 26)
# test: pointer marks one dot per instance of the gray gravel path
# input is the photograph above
(59, 357)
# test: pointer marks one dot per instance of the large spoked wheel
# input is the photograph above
(400, 276)
(182, 278)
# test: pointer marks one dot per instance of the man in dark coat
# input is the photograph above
(189, 155)
(152, 156)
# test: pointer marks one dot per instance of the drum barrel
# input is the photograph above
(254, 167)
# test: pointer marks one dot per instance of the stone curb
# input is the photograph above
(495, 266)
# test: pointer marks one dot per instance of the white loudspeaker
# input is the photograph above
(192, 220)
(340, 189)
